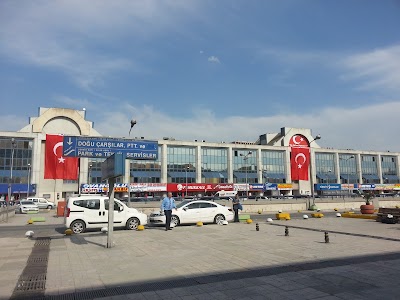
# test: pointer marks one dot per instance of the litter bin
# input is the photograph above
(60, 208)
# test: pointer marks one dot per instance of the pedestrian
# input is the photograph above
(236, 206)
(167, 205)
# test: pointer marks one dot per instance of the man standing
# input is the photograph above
(167, 205)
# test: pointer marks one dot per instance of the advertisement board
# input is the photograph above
(270, 187)
(199, 187)
(256, 187)
(148, 187)
(328, 187)
(285, 186)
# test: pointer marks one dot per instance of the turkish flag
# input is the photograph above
(299, 163)
(55, 165)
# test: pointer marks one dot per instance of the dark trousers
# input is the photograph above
(236, 210)
(168, 214)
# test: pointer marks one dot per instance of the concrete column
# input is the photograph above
(337, 168)
(164, 163)
(359, 170)
(127, 176)
(198, 164)
(230, 165)
(287, 166)
(379, 167)
(398, 166)
(259, 166)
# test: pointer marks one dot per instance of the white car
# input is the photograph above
(42, 202)
(193, 211)
(91, 211)
(26, 206)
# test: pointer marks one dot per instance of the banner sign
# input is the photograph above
(103, 188)
(285, 186)
(241, 187)
(256, 187)
(396, 186)
(348, 186)
(148, 187)
(366, 186)
(270, 187)
(199, 187)
(328, 187)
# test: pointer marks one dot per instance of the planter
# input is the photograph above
(367, 209)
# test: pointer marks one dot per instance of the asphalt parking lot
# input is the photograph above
(361, 261)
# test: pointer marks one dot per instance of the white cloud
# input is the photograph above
(214, 59)
(378, 69)
(364, 128)
(74, 36)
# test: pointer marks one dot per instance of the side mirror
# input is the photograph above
(185, 208)
(121, 208)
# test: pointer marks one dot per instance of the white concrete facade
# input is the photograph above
(73, 123)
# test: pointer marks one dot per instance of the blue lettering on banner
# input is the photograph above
(78, 146)
(256, 186)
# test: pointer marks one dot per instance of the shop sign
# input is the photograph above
(270, 187)
(285, 186)
(256, 187)
(396, 186)
(240, 187)
(102, 188)
(148, 187)
(348, 186)
(199, 187)
(328, 187)
(366, 186)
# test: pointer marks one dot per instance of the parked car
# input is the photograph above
(26, 206)
(85, 212)
(41, 202)
(193, 211)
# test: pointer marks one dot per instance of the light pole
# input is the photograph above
(245, 158)
(186, 170)
(29, 173)
(90, 174)
(312, 207)
(13, 144)
(133, 123)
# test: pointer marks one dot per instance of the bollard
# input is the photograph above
(286, 231)
(326, 237)
(257, 227)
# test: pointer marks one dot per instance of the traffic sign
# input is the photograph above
(79, 146)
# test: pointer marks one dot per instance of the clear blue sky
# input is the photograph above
(214, 70)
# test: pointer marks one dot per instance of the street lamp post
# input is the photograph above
(29, 173)
(90, 174)
(13, 144)
(245, 158)
(133, 123)
(312, 207)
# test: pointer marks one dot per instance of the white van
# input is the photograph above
(226, 194)
(91, 211)
(41, 202)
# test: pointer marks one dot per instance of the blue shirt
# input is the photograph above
(168, 204)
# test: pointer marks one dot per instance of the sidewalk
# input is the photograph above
(219, 262)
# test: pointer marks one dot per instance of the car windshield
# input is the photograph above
(183, 203)
(27, 202)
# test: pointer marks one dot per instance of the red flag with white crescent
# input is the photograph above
(55, 165)
(299, 163)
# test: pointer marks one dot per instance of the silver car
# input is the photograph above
(26, 206)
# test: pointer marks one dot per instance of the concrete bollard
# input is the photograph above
(326, 237)
(286, 231)
(257, 227)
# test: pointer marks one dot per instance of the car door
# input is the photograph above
(191, 213)
(42, 203)
(90, 211)
(208, 211)
(119, 213)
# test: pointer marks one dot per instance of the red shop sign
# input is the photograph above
(199, 187)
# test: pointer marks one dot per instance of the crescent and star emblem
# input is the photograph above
(60, 159)
(295, 139)
(299, 165)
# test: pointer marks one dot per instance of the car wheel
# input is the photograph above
(78, 226)
(175, 220)
(219, 219)
(132, 224)
(49, 207)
